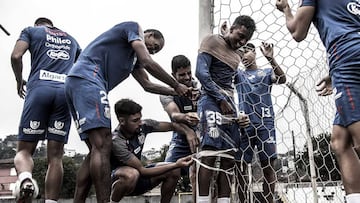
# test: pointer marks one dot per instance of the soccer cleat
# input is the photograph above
(25, 191)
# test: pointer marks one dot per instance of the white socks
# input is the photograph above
(353, 198)
(206, 199)
(203, 199)
(24, 175)
(223, 200)
(50, 201)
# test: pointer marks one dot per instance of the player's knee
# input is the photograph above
(174, 174)
(130, 176)
(339, 143)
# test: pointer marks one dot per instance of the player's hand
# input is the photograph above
(193, 141)
(323, 87)
(267, 49)
(243, 120)
(195, 94)
(185, 161)
(192, 118)
(21, 89)
(281, 5)
(225, 107)
(183, 90)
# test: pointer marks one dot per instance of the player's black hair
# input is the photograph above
(127, 107)
(157, 34)
(43, 20)
(179, 61)
(246, 21)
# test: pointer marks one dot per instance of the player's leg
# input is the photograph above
(204, 178)
(90, 109)
(57, 135)
(342, 145)
(243, 157)
(83, 181)
(124, 181)
(266, 144)
(32, 128)
(224, 180)
(26, 187)
(241, 180)
(55, 171)
(346, 131)
(169, 181)
(99, 166)
(269, 180)
(179, 148)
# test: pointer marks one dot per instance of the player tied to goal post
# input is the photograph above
(305, 168)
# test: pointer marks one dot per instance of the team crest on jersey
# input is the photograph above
(261, 73)
(213, 132)
(354, 8)
(107, 112)
(141, 138)
(58, 125)
(34, 124)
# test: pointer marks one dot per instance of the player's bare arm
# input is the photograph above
(16, 62)
(267, 50)
(158, 169)
(145, 60)
(298, 24)
(143, 79)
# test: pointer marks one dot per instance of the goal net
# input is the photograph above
(306, 169)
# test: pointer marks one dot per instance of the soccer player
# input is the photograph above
(45, 114)
(338, 24)
(254, 86)
(216, 67)
(182, 110)
(129, 176)
(108, 60)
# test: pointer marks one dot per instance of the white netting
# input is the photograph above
(303, 120)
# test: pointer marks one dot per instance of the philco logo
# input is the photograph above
(34, 124)
(58, 125)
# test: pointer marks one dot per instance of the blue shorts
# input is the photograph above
(178, 148)
(263, 138)
(45, 115)
(214, 133)
(88, 104)
(347, 99)
(143, 184)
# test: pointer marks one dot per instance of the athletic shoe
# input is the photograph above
(26, 190)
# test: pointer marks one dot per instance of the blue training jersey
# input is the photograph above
(214, 75)
(110, 58)
(254, 94)
(338, 24)
(53, 52)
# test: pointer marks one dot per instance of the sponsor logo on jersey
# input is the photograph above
(354, 8)
(34, 125)
(137, 150)
(187, 108)
(58, 54)
(47, 75)
(58, 125)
